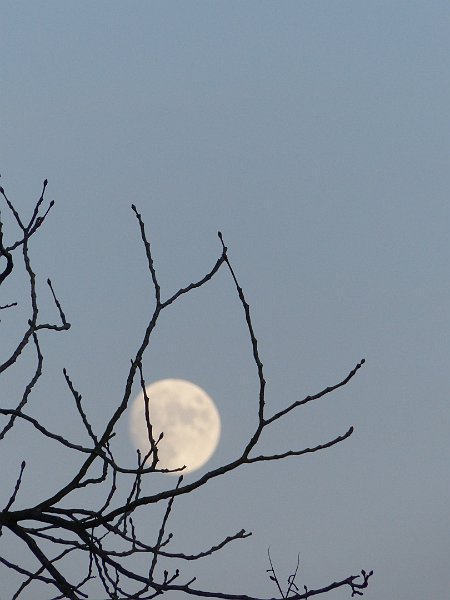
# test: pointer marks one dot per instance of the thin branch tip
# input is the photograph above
(219, 233)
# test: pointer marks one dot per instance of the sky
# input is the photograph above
(315, 136)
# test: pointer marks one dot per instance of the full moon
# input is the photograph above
(188, 418)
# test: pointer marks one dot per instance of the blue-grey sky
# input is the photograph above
(315, 136)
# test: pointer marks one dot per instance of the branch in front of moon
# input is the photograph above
(187, 417)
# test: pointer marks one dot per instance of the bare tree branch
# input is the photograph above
(104, 533)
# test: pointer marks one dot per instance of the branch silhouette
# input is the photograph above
(104, 532)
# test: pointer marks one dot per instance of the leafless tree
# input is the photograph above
(104, 536)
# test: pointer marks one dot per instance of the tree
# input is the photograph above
(105, 535)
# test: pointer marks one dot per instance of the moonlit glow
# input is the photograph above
(187, 416)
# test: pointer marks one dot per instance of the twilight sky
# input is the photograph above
(315, 136)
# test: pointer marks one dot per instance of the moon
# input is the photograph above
(188, 418)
